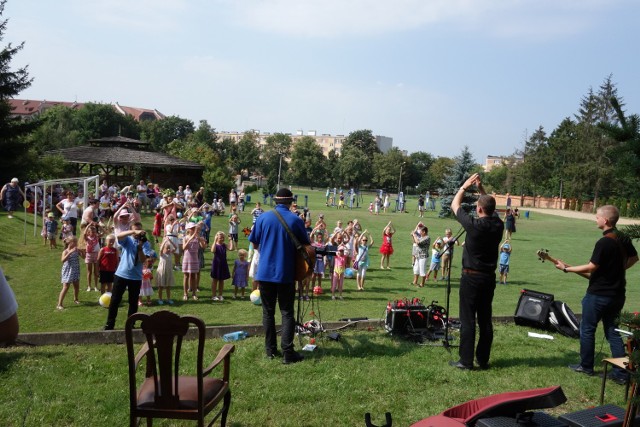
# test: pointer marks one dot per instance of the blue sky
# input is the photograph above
(435, 75)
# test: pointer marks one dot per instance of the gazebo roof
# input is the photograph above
(107, 154)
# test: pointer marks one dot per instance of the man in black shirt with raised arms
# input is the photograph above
(478, 281)
(605, 297)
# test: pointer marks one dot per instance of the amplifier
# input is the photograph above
(607, 415)
(402, 321)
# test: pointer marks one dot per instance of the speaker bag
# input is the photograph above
(533, 309)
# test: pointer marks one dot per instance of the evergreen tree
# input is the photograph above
(457, 175)
(16, 158)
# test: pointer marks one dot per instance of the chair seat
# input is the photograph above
(620, 362)
(213, 389)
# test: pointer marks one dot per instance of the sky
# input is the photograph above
(434, 75)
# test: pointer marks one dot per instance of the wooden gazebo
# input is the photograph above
(121, 160)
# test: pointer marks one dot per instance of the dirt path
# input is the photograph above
(574, 214)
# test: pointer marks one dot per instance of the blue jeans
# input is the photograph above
(594, 309)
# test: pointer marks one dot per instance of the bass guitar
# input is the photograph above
(543, 255)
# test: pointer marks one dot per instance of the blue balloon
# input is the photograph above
(349, 273)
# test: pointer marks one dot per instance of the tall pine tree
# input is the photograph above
(457, 175)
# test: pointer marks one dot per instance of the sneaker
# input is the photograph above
(234, 297)
(9, 216)
(76, 302)
(95, 289)
(170, 301)
(580, 369)
(340, 298)
(160, 302)
(333, 297)
(214, 299)
(459, 365)
(195, 298)
(140, 303)
(221, 298)
(59, 307)
(185, 297)
(89, 289)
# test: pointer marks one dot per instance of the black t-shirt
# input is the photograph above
(480, 250)
(610, 255)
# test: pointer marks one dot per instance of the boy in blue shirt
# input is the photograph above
(505, 255)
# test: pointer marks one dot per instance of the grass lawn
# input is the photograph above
(367, 371)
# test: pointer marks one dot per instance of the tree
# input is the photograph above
(159, 133)
(17, 156)
(354, 167)
(102, 120)
(247, 154)
(457, 175)
(437, 172)
(274, 159)
(362, 140)
(307, 166)
(388, 167)
(418, 165)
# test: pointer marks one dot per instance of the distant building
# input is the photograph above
(492, 161)
(326, 141)
(30, 108)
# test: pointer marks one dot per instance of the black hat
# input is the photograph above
(284, 195)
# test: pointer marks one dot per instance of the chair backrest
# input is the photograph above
(164, 332)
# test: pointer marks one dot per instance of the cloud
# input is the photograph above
(337, 18)
(137, 15)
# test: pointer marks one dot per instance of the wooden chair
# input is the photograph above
(164, 393)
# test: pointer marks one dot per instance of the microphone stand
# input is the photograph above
(449, 247)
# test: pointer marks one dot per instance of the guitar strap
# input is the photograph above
(614, 235)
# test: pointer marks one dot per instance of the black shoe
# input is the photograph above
(459, 365)
(107, 328)
(580, 369)
(292, 357)
(621, 379)
(483, 366)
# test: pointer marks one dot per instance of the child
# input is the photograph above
(234, 221)
(51, 229)
(361, 263)
(92, 249)
(446, 256)
(240, 274)
(435, 258)
(190, 259)
(420, 267)
(339, 266)
(67, 230)
(164, 274)
(386, 249)
(147, 275)
(70, 271)
(157, 224)
(505, 257)
(107, 263)
(254, 257)
(318, 268)
(219, 267)
(414, 246)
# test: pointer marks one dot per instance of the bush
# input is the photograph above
(623, 207)
(579, 205)
(251, 188)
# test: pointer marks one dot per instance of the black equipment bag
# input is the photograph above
(563, 320)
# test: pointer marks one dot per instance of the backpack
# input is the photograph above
(563, 320)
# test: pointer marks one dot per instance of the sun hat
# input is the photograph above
(190, 225)
(14, 180)
(51, 215)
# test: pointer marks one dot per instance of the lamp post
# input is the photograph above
(399, 205)
(279, 170)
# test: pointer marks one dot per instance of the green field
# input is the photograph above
(366, 371)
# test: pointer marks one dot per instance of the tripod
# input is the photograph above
(449, 247)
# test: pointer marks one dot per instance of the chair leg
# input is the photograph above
(225, 408)
(149, 422)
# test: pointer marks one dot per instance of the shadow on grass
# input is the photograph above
(11, 256)
(365, 345)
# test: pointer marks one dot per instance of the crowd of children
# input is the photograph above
(181, 230)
